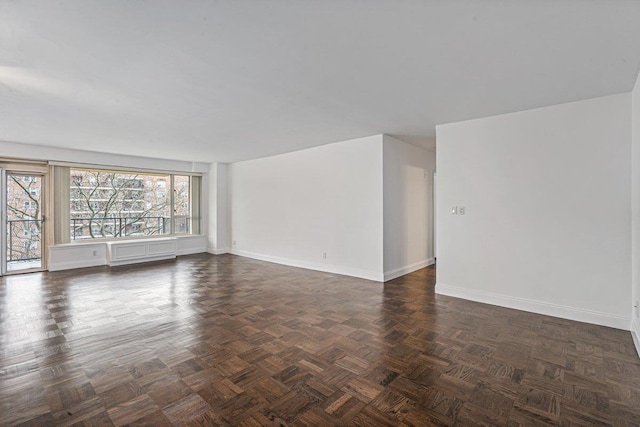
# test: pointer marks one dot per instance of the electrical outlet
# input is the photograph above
(234, 243)
(461, 210)
(95, 253)
(324, 255)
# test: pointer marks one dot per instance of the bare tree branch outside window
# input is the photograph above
(23, 217)
(108, 204)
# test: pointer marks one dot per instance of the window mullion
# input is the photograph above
(172, 209)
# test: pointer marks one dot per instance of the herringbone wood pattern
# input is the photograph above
(223, 340)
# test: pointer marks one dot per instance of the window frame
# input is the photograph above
(168, 188)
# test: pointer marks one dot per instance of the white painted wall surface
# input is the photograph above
(547, 196)
(36, 152)
(293, 208)
(218, 235)
(408, 207)
(635, 212)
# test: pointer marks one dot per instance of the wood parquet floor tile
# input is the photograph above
(222, 340)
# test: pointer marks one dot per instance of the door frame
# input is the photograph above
(24, 169)
(435, 215)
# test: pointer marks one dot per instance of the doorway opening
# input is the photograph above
(23, 222)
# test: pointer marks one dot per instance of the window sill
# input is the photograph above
(89, 242)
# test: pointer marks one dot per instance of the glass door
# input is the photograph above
(23, 222)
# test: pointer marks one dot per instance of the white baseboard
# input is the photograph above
(392, 274)
(218, 251)
(635, 334)
(83, 263)
(328, 268)
(540, 307)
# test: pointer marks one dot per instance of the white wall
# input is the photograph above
(635, 211)
(547, 196)
(408, 207)
(218, 235)
(36, 152)
(295, 207)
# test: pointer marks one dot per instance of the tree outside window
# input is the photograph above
(23, 217)
(107, 204)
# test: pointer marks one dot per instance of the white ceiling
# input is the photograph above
(233, 80)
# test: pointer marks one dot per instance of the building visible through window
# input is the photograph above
(112, 204)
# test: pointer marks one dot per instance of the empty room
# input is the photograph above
(317, 213)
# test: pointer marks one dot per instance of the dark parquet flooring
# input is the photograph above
(224, 340)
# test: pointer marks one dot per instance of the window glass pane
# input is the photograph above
(107, 204)
(24, 221)
(181, 204)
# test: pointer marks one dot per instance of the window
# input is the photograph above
(30, 204)
(112, 204)
(76, 232)
(29, 229)
(28, 179)
(182, 207)
(33, 191)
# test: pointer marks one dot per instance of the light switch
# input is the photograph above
(454, 210)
